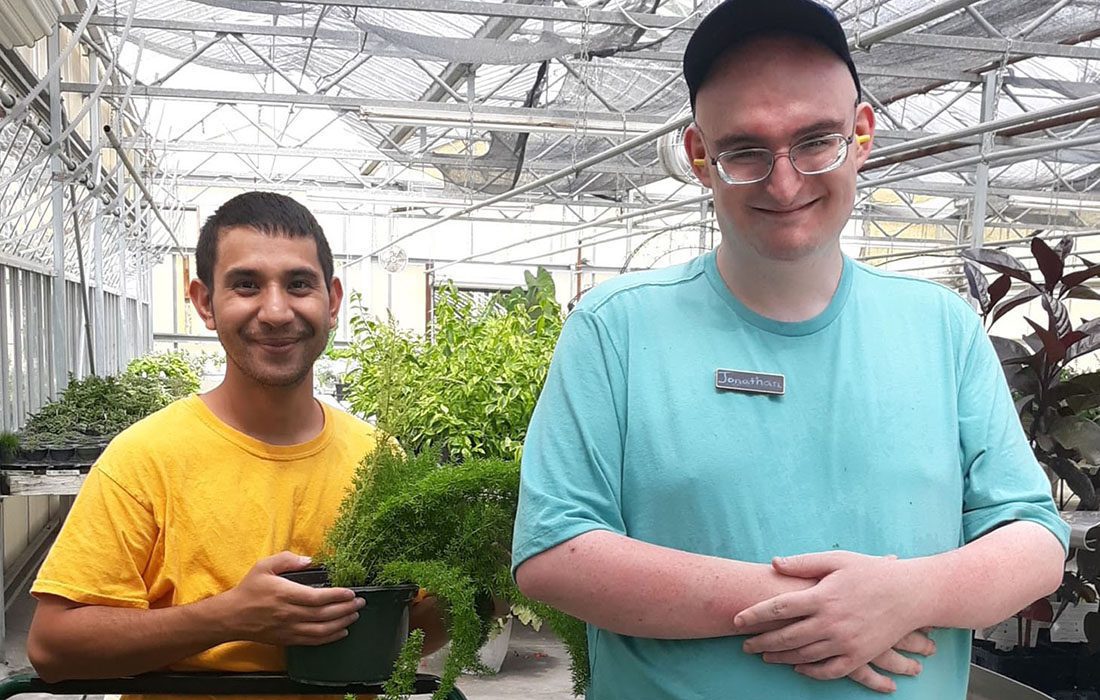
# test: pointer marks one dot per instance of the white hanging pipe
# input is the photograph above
(141, 185)
(602, 222)
(904, 24)
(995, 156)
(995, 125)
(600, 239)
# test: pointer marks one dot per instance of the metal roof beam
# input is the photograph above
(997, 46)
(522, 119)
(357, 193)
(514, 10)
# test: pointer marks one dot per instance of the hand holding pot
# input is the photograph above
(861, 611)
(269, 609)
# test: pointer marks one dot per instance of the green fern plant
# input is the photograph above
(448, 529)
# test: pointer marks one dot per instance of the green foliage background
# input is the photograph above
(95, 409)
(179, 371)
(468, 388)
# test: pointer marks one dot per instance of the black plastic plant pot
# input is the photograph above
(32, 454)
(369, 652)
(88, 453)
(60, 455)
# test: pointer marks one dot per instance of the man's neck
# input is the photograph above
(275, 415)
(788, 291)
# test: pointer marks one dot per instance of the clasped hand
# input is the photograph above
(860, 614)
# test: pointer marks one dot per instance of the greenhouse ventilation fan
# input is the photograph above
(673, 158)
(393, 259)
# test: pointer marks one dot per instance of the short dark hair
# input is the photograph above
(267, 212)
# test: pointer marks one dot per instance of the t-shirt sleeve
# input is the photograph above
(1003, 482)
(104, 546)
(571, 473)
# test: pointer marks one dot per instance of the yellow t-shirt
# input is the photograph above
(180, 506)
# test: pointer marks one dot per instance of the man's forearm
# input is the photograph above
(990, 579)
(103, 642)
(644, 590)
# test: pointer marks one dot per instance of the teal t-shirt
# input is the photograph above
(896, 435)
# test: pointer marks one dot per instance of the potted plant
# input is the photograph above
(447, 529)
(1058, 407)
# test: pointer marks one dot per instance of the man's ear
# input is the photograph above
(203, 302)
(865, 133)
(697, 154)
(335, 297)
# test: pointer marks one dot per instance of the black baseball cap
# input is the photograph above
(735, 21)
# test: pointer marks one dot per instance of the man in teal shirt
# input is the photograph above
(770, 399)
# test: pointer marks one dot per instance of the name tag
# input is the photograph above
(750, 382)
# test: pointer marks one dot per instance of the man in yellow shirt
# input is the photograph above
(171, 554)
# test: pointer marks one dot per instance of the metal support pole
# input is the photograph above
(120, 245)
(57, 172)
(981, 172)
(7, 415)
(139, 183)
(99, 321)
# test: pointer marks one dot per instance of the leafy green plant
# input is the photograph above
(448, 529)
(401, 681)
(94, 408)
(467, 389)
(179, 371)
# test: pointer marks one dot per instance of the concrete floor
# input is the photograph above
(535, 668)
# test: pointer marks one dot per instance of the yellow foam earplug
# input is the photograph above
(699, 162)
(863, 138)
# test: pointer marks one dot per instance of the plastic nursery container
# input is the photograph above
(369, 652)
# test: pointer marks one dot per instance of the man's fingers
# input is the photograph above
(786, 606)
(315, 636)
(893, 662)
(836, 667)
(283, 562)
(333, 611)
(811, 653)
(866, 676)
(793, 636)
(308, 596)
(916, 643)
(324, 630)
(818, 565)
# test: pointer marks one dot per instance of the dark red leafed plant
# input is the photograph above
(1056, 406)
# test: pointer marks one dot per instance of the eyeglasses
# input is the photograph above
(814, 156)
